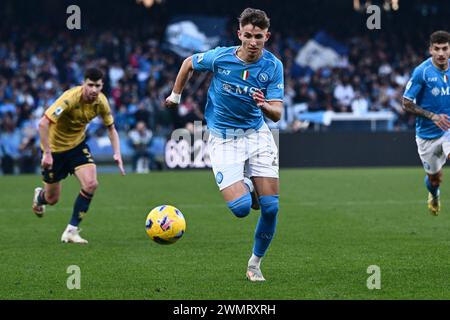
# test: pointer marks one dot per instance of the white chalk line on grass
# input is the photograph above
(222, 204)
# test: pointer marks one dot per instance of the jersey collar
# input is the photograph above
(247, 63)
(440, 70)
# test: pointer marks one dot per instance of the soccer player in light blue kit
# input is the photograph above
(427, 95)
(247, 84)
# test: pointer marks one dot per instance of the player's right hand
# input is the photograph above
(442, 121)
(173, 100)
(169, 103)
(47, 161)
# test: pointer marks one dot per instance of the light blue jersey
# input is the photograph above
(429, 88)
(230, 104)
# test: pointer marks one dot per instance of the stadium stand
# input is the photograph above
(38, 62)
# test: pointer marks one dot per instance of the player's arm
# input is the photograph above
(271, 109)
(203, 61)
(108, 121)
(115, 142)
(414, 86)
(440, 120)
(271, 104)
(51, 115)
(184, 74)
(47, 159)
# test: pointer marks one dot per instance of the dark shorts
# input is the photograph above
(65, 163)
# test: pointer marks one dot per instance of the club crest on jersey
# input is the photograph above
(219, 177)
(263, 77)
(58, 111)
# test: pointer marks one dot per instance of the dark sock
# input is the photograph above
(80, 207)
(41, 198)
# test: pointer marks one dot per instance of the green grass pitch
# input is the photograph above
(333, 224)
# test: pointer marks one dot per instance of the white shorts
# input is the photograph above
(256, 154)
(434, 152)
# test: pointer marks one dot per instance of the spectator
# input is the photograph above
(9, 144)
(360, 105)
(140, 139)
(344, 95)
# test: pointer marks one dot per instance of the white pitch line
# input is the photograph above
(219, 205)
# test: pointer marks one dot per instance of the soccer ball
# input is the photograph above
(165, 224)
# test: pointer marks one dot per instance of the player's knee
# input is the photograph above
(241, 206)
(269, 206)
(91, 186)
(436, 179)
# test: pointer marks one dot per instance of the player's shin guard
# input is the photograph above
(241, 206)
(267, 222)
(433, 190)
(80, 207)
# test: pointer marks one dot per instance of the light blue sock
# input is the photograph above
(267, 222)
(433, 190)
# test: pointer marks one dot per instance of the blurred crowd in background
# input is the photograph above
(37, 64)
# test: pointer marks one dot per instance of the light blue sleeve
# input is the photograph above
(204, 61)
(275, 89)
(414, 85)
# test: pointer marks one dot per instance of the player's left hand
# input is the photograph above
(118, 159)
(259, 98)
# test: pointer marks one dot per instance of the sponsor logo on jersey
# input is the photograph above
(442, 91)
(227, 87)
(223, 71)
(433, 79)
(239, 89)
(200, 57)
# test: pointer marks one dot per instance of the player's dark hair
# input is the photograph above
(255, 17)
(93, 74)
(439, 37)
